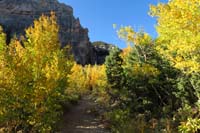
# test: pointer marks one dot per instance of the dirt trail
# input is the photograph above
(81, 119)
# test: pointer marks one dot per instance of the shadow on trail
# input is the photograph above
(81, 119)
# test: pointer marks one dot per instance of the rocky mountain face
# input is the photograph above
(17, 15)
(101, 49)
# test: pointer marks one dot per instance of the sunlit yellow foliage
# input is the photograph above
(88, 79)
(2, 39)
(98, 82)
(190, 126)
(126, 51)
(145, 70)
(179, 36)
(33, 79)
(48, 38)
(77, 81)
(2, 47)
(136, 38)
(141, 43)
(96, 75)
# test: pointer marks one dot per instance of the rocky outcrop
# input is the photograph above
(101, 50)
(17, 15)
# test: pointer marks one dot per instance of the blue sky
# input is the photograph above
(99, 16)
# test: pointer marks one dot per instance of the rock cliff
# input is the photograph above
(17, 15)
(101, 50)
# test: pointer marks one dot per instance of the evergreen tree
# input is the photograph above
(150, 80)
(115, 73)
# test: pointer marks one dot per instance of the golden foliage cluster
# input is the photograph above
(33, 78)
(178, 29)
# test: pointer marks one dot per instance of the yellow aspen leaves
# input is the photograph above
(178, 29)
(33, 78)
